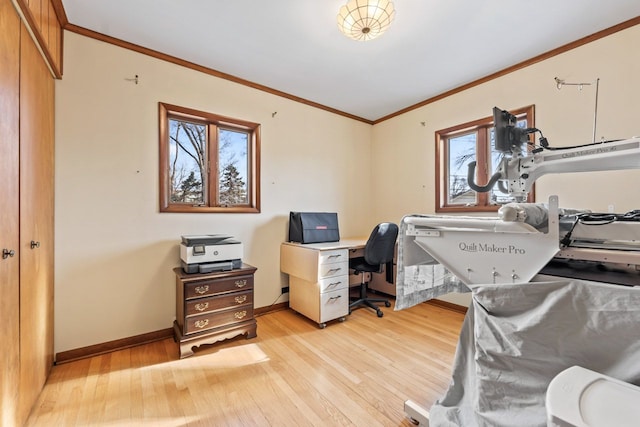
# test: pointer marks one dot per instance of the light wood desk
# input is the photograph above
(319, 277)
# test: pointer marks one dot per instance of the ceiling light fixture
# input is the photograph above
(365, 19)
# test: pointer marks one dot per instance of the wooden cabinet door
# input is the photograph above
(9, 212)
(36, 222)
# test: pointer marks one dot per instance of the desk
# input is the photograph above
(319, 277)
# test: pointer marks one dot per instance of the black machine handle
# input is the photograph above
(471, 176)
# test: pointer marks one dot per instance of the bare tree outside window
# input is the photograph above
(208, 163)
(233, 167)
(188, 161)
(462, 150)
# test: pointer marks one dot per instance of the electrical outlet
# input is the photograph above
(285, 290)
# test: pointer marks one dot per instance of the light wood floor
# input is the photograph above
(355, 373)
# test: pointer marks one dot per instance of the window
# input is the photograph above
(208, 163)
(459, 145)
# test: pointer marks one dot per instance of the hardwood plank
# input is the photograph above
(358, 372)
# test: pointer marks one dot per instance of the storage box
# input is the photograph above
(313, 227)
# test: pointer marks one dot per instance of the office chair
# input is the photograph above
(378, 251)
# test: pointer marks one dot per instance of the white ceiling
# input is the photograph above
(294, 46)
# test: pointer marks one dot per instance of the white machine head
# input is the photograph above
(519, 167)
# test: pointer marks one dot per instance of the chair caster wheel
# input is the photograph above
(387, 304)
(379, 313)
(322, 325)
(342, 319)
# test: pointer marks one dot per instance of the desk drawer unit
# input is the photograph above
(318, 282)
(332, 304)
(329, 284)
(330, 257)
(340, 268)
(213, 306)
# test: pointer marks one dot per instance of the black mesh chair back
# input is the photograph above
(381, 244)
(378, 251)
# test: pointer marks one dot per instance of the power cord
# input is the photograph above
(598, 219)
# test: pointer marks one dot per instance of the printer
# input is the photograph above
(210, 252)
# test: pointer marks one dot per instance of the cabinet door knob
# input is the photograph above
(35, 244)
(6, 253)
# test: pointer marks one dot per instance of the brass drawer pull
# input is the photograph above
(201, 323)
(202, 289)
(202, 306)
(240, 314)
(240, 299)
(241, 283)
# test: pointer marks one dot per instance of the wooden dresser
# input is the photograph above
(212, 307)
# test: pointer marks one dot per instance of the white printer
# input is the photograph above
(210, 252)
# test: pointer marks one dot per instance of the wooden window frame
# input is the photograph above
(213, 122)
(481, 127)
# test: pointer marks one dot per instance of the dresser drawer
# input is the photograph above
(206, 321)
(333, 283)
(208, 304)
(212, 287)
(328, 257)
(334, 304)
(335, 269)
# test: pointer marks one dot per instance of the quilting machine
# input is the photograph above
(528, 239)
(517, 245)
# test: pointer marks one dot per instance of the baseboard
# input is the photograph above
(448, 305)
(271, 308)
(108, 347)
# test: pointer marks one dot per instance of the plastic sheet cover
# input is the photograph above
(419, 277)
(516, 338)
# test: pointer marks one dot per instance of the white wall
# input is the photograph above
(114, 251)
(403, 150)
